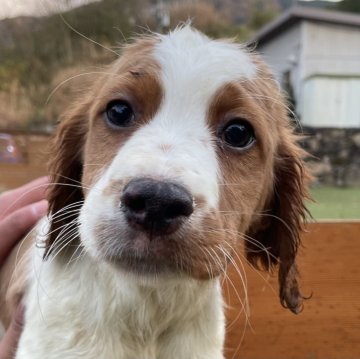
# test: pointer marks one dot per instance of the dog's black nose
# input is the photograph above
(156, 207)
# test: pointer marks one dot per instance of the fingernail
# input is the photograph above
(40, 208)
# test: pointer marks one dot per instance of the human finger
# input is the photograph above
(16, 225)
(9, 342)
(32, 192)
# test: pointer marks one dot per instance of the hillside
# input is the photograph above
(38, 54)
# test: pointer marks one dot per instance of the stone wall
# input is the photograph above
(336, 154)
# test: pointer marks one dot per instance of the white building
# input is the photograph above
(316, 54)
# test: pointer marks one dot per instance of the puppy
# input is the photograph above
(181, 151)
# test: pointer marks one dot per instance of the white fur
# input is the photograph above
(87, 309)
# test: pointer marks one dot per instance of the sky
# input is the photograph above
(13, 8)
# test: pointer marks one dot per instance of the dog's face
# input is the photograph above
(183, 150)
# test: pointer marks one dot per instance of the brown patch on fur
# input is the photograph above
(143, 92)
(286, 214)
(236, 101)
(210, 247)
(85, 145)
(265, 186)
(65, 168)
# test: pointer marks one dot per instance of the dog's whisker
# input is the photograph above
(238, 254)
(66, 229)
(245, 305)
(74, 258)
(210, 257)
(62, 83)
(8, 209)
(243, 279)
(63, 243)
(246, 238)
(58, 229)
(77, 205)
(65, 215)
(68, 185)
(86, 37)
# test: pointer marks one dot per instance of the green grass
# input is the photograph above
(335, 203)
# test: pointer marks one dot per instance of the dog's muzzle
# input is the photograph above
(156, 207)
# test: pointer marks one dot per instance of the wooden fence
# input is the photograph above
(35, 151)
(328, 327)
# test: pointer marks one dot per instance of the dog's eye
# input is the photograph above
(119, 113)
(239, 134)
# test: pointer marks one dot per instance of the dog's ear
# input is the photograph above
(65, 194)
(276, 240)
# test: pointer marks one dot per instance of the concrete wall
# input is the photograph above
(330, 73)
(324, 63)
(331, 50)
(331, 101)
(284, 53)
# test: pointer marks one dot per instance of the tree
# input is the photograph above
(349, 5)
(205, 17)
(262, 13)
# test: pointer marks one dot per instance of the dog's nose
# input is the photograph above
(156, 207)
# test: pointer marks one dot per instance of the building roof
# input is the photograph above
(299, 13)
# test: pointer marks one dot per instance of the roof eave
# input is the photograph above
(299, 13)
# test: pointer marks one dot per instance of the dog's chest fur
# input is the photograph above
(81, 311)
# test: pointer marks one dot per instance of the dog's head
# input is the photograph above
(181, 150)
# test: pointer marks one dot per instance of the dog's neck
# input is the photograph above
(133, 319)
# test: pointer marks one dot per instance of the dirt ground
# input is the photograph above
(328, 327)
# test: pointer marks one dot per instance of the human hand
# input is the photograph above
(20, 209)
(9, 341)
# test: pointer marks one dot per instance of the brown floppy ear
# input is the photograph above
(65, 167)
(283, 221)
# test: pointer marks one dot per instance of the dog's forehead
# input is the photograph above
(190, 59)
